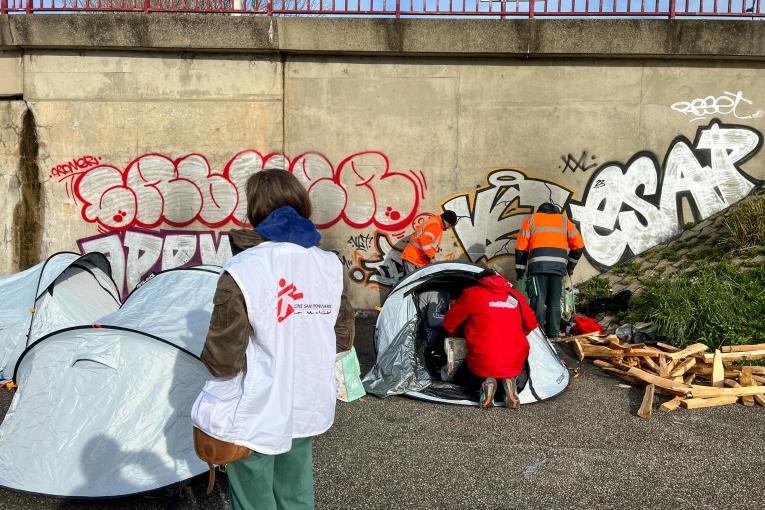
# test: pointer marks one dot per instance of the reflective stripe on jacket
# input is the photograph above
(547, 243)
(423, 245)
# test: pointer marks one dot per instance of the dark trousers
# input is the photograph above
(409, 268)
(544, 294)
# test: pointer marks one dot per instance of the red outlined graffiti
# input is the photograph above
(154, 189)
(74, 165)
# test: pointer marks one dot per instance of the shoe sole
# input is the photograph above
(511, 398)
(487, 397)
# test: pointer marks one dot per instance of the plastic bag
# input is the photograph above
(567, 305)
(348, 376)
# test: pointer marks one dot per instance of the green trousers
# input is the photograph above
(544, 294)
(273, 482)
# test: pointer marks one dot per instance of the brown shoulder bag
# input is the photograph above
(216, 452)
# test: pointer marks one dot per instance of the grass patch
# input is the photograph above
(631, 267)
(743, 227)
(596, 287)
(713, 304)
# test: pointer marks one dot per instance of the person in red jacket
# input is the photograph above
(496, 320)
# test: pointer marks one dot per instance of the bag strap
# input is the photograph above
(211, 478)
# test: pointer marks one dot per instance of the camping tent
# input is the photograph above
(408, 364)
(66, 290)
(104, 410)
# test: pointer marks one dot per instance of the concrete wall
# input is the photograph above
(384, 122)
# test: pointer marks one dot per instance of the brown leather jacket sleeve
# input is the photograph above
(345, 327)
(229, 333)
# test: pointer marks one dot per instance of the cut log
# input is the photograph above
(746, 380)
(602, 363)
(600, 351)
(718, 371)
(578, 349)
(760, 399)
(696, 403)
(682, 367)
(663, 366)
(646, 408)
(710, 392)
(650, 363)
(742, 348)
(671, 405)
(705, 370)
(668, 384)
(667, 347)
(729, 357)
(688, 351)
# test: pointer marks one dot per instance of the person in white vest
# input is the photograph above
(273, 387)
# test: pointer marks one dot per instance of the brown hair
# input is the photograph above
(271, 189)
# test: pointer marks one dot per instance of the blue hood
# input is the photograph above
(286, 225)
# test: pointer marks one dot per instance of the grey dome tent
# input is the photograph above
(104, 409)
(66, 290)
(406, 363)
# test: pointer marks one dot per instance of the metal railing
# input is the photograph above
(409, 8)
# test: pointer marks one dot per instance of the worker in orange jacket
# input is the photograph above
(423, 244)
(548, 246)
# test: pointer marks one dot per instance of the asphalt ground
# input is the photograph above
(583, 449)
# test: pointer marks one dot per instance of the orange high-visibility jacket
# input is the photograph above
(423, 245)
(547, 243)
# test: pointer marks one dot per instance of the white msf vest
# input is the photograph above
(288, 387)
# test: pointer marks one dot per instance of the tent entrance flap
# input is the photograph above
(410, 342)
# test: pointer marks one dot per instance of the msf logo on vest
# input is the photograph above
(286, 296)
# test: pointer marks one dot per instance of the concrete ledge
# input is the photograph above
(452, 37)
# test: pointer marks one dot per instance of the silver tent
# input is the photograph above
(402, 366)
(66, 290)
(104, 410)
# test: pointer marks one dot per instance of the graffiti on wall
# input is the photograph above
(491, 216)
(154, 190)
(136, 253)
(625, 209)
(582, 164)
(728, 103)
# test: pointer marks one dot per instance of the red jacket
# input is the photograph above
(497, 319)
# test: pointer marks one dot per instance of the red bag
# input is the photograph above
(583, 325)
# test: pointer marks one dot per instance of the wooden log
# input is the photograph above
(578, 349)
(696, 403)
(646, 408)
(742, 348)
(602, 363)
(663, 366)
(718, 371)
(671, 405)
(758, 370)
(760, 399)
(668, 384)
(647, 360)
(667, 347)
(746, 380)
(570, 339)
(599, 351)
(697, 391)
(706, 371)
(688, 351)
(729, 357)
(682, 367)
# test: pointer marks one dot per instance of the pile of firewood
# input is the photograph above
(693, 377)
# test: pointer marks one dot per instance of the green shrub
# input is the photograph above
(744, 227)
(596, 287)
(712, 304)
